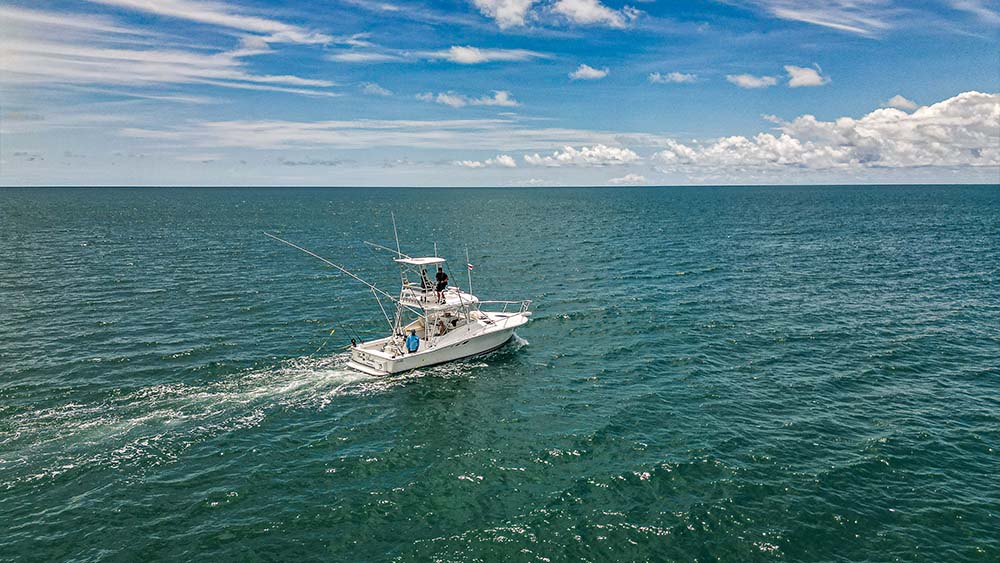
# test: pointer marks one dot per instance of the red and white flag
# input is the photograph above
(470, 266)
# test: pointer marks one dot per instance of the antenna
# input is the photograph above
(398, 251)
(468, 264)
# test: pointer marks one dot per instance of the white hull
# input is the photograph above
(381, 357)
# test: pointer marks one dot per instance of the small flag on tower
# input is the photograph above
(470, 266)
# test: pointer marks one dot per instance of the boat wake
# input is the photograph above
(149, 426)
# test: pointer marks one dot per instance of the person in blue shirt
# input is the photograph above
(412, 342)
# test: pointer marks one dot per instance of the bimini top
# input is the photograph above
(420, 261)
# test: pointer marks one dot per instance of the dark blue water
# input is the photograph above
(712, 374)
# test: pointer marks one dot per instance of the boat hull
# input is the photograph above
(473, 346)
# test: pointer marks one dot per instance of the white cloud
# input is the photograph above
(363, 57)
(496, 134)
(592, 12)
(598, 155)
(803, 76)
(963, 131)
(899, 102)
(587, 72)
(468, 55)
(862, 17)
(22, 17)
(203, 158)
(84, 50)
(28, 62)
(500, 98)
(499, 161)
(218, 14)
(507, 13)
(977, 8)
(375, 90)
(672, 78)
(628, 179)
(751, 81)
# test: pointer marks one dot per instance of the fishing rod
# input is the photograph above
(375, 291)
(344, 270)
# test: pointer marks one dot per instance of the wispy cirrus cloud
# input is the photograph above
(500, 98)
(861, 17)
(459, 54)
(496, 134)
(222, 15)
(364, 57)
(29, 61)
(110, 54)
(978, 9)
(469, 55)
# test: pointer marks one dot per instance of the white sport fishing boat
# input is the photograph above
(452, 325)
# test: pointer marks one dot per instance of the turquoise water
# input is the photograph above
(731, 374)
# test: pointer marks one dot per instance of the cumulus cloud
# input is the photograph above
(499, 161)
(507, 13)
(500, 98)
(468, 55)
(672, 78)
(375, 90)
(587, 72)
(751, 81)
(598, 155)
(804, 76)
(899, 102)
(628, 180)
(592, 12)
(963, 131)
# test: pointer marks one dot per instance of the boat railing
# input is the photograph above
(416, 292)
(522, 306)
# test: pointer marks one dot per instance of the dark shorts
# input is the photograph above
(442, 285)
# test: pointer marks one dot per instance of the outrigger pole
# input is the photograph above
(380, 247)
(375, 291)
(341, 268)
(396, 234)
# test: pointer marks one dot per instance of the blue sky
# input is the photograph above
(498, 92)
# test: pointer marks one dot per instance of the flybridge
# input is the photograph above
(449, 323)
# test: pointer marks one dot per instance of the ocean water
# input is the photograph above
(711, 374)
